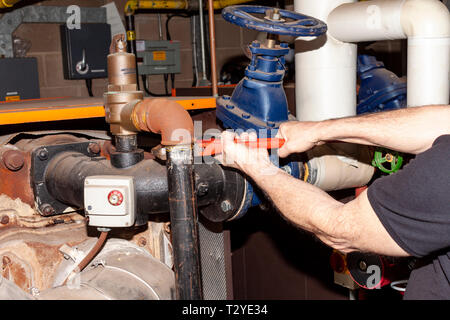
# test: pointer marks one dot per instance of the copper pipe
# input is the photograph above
(165, 117)
(212, 41)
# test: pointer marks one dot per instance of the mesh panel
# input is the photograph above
(213, 264)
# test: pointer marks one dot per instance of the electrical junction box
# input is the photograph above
(109, 201)
(158, 56)
(19, 79)
(85, 51)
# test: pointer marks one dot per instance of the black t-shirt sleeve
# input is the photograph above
(414, 204)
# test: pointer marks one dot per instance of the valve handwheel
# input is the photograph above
(387, 161)
(275, 21)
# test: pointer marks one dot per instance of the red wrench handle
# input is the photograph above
(214, 146)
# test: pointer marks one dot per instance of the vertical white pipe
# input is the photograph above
(428, 71)
(325, 69)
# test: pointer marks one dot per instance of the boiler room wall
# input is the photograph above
(46, 47)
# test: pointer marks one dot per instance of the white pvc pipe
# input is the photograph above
(325, 69)
(426, 24)
(428, 71)
(367, 21)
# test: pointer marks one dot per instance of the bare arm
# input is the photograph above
(410, 130)
(346, 227)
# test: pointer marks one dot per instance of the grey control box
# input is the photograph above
(158, 56)
(19, 79)
(85, 50)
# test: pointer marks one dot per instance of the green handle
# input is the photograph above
(387, 161)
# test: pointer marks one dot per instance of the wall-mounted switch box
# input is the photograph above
(85, 50)
(19, 79)
(158, 56)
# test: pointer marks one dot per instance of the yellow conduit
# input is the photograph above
(133, 5)
(7, 3)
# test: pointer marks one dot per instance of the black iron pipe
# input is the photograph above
(66, 172)
(184, 222)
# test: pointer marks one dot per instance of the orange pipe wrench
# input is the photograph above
(214, 146)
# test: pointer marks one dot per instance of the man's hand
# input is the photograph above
(299, 137)
(252, 161)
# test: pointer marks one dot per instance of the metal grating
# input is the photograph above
(212, 255)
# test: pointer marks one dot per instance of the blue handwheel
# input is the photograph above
(276, 21)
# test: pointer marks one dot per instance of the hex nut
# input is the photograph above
(226, 206)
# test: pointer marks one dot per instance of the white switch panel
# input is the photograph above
(109, 201)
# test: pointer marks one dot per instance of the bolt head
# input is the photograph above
(202, 189)
(256, 44)
(362, 265)
(13, 160)
(142, 242)
(46, 209)
(42, 154)
(94, 148)
(226, 206)
(5, 219)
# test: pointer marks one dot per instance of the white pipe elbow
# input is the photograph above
(388, 20)
(425, 19)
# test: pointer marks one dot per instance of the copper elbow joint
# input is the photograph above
(165, 117)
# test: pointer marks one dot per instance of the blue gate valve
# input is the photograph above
(259, 102)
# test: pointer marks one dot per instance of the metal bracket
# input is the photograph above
(45, 204)
(10, 21)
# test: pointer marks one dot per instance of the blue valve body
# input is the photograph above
(259, 102)
(380, 89)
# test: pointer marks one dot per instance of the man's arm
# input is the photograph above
(346, 227)
(410, 130)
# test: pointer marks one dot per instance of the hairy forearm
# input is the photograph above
(345, 227)
(411, 130)
(307, 207)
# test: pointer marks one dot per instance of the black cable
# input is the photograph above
(89, 87)
(169, 38)
(144, 84)
(172, 80)
(168, 20)
(166, 79)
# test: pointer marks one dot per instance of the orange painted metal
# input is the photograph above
(55, 109)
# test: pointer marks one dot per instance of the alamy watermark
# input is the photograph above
(74, 19)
